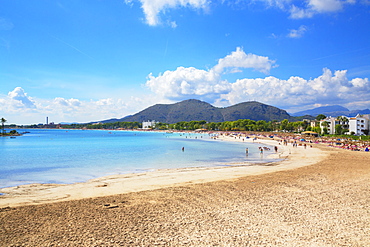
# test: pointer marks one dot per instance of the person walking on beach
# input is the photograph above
(276, 149)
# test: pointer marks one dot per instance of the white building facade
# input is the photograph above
(329, 123)
(149, 124)
(360, 124)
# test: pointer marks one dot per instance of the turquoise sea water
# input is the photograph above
(69, 156)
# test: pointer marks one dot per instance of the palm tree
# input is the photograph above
(3, 121)
(343, 121)
(325, 126)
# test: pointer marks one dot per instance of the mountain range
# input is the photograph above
(334, 111)
(196, 110)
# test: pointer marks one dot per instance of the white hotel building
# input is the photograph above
(149, 124)
(359, 125)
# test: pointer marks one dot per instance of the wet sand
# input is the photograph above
(33, 194)
(315, 197)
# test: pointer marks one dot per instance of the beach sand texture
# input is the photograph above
(325, 202)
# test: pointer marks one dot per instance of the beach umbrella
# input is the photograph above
(310, 133)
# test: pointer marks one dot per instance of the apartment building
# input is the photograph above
(329, 123)
(360, 124)
(149, 124)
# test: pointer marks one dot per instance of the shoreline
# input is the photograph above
(322, 204)
(33, 194)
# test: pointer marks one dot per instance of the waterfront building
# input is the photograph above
(149, 124)
(360, 124)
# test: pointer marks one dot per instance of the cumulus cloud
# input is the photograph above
(239, 59)
(84, 111)
(313, 7)
(297, 33)
(173, 24)
(187, 82)
(67, 102)
(326, 5)
(19, 99)
(153, 9)
(331, 87)
(190, 82)
(108, 101)
(300, 13)
(328, 88)
(18, 107)
(309, 8)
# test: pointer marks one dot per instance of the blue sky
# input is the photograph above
(81, 61)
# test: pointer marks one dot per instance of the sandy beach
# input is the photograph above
(315, 196)
(33, 194)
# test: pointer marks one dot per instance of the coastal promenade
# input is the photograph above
(315, 196)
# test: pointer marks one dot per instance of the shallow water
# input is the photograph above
(69, 156)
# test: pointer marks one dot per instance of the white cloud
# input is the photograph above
(313, 7)
(323, 6)
(187, 83)
(300, 13)
(190, 82)
(108, 101)
(239, 59)
(309, 8)
(66, 102)
(278, 3)
(19, 99)
(173, 24)
(297, 33)
(152, 9)
(18, 107)
(328, 88)
(184, 83)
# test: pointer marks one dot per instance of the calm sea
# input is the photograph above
(69, 156)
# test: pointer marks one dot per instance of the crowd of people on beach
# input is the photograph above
(301, 140)
(293, 139)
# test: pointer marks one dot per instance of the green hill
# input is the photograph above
(255, 111)
(196, 110)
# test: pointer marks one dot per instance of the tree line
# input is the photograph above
(239, 125)
(3, 132)
(113, 125)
